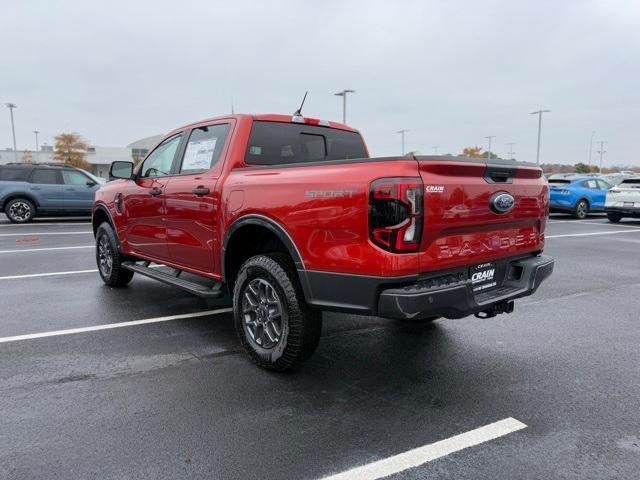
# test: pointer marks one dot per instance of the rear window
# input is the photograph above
(631, 181)
(558, 181)
(14, 174)
(274, 143)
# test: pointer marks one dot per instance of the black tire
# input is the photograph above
(109, 258)
(20, 210)
(257, 326)
(582, 210)
(614, 217)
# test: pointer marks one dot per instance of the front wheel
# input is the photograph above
(273, 322)
(20, 210)
(581, 210)
(109, 258)
(614, 217)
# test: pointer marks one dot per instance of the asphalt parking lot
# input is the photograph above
(178, 399)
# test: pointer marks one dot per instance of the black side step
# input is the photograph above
(202, 291)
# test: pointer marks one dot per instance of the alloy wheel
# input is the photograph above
(582, 209)
(105, 256)
(20, 211)
(262, 314)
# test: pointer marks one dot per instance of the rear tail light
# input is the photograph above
(396, 214)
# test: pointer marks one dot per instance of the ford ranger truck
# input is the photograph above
(291, 216)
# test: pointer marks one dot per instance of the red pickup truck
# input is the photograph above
(291, 216)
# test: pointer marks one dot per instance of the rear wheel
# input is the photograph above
(20, 210)
(109, 258)
(275, 326)
(582, 209)
(614, 217)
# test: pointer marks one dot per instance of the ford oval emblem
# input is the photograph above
(502, 202)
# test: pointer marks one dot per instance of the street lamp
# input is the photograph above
(511, 152)
(11, 106)
(37, 146)
(602, 151)
(539, 113)
(591, 147)
(402, 132)
(489, 149)
(435, 149)
(343, 94)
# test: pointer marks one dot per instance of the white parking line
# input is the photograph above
(600, 224)
(418, 456)
(592, 233)
(55, 274)
(29, 250)
(37, 224)
(109, 326)
(26, 234)
(50, 274)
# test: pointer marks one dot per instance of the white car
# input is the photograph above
(623, 200)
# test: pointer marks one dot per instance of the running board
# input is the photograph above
(174, 279)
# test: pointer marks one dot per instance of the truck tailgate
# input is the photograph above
(463, 222)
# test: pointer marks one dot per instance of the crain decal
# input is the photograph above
(329, 193)
(492, 244)
(434, 188)
(483, 276)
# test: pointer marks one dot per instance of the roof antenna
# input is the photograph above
(298, 112)
(232, 112)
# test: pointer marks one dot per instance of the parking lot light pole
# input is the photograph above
(602, 151)
(343, 94)
(511, 152)
(489, 149)
(539, 113)
(402, 132)
(435, 149)
(11, 106)
(591, 147)
(36, 132)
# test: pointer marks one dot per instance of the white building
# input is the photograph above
(100, 158)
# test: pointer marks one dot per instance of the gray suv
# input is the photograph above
(30, 190)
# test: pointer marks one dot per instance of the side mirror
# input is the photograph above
(120, 169)
(91, 183)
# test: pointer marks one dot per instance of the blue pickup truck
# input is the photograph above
(30, 190)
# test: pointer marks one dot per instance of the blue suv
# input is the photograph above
(577, 195)
(30, 190)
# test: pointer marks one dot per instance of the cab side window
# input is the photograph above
(603, 185)
(160, 161)
(204, 148)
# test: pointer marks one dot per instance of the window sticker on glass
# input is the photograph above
(254, 150)
(198, 154)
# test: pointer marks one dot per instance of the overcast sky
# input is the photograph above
(451, 72)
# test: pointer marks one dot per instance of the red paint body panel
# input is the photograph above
(330, 230)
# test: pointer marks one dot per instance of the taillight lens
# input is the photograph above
(396, 214)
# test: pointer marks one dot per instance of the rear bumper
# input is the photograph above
(443, 294)
(626, 211)
(457, 300)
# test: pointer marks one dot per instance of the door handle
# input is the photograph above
(155, 191)
(200, 191)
